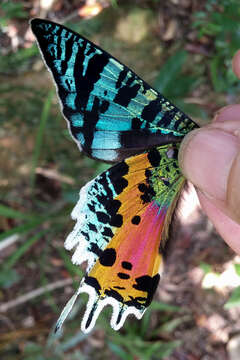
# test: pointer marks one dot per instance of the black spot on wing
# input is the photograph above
(148, 284)
(136, 220)
(154, 157)
(116, 220)
(127, 265)
(92, 227)
(142, 187)
(123, 276)
(116, 177)
(151, 110)
(136, 123)
(148, 175)
(94, 248)
(114, 294)
(112, 206)
(121, 77)
(86, 235)
(125, 94)
(91, 207)
(107, 232)
(167, 118)
(147, 192)
(119, 287)
(108, 257)
(90, 280)
(102, 217)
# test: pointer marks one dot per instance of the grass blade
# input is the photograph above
(13, 214)
(24, 228)
(11, 261)
(40, 133)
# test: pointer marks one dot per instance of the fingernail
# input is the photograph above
(206, 156)
(233, 188)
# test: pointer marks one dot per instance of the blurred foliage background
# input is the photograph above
(183, 48)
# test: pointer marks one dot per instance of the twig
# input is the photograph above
(34, 293)
(53, 174)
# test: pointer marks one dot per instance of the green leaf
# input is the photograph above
(217, 80)
(191, 109)
(237, 269)
(234, 299)
(183, 85)
(200, 15)
(8, 278)
(169, 72)
(114, 3)
(205, 267)
(11, 10)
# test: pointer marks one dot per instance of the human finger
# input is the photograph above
(207, 158)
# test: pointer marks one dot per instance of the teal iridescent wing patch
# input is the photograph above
(123, 215)
(111, 112)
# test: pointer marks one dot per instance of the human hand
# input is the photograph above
(210, 158)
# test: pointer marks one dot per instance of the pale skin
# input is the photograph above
(210, 158)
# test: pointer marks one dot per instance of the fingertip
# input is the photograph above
(205, 158)
(184, 146)
(226, 227)
(228, 120)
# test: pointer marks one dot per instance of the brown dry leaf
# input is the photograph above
(171, 30)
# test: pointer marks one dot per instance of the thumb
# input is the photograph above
(210, 158)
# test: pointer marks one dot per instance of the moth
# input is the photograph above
(123, 215)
